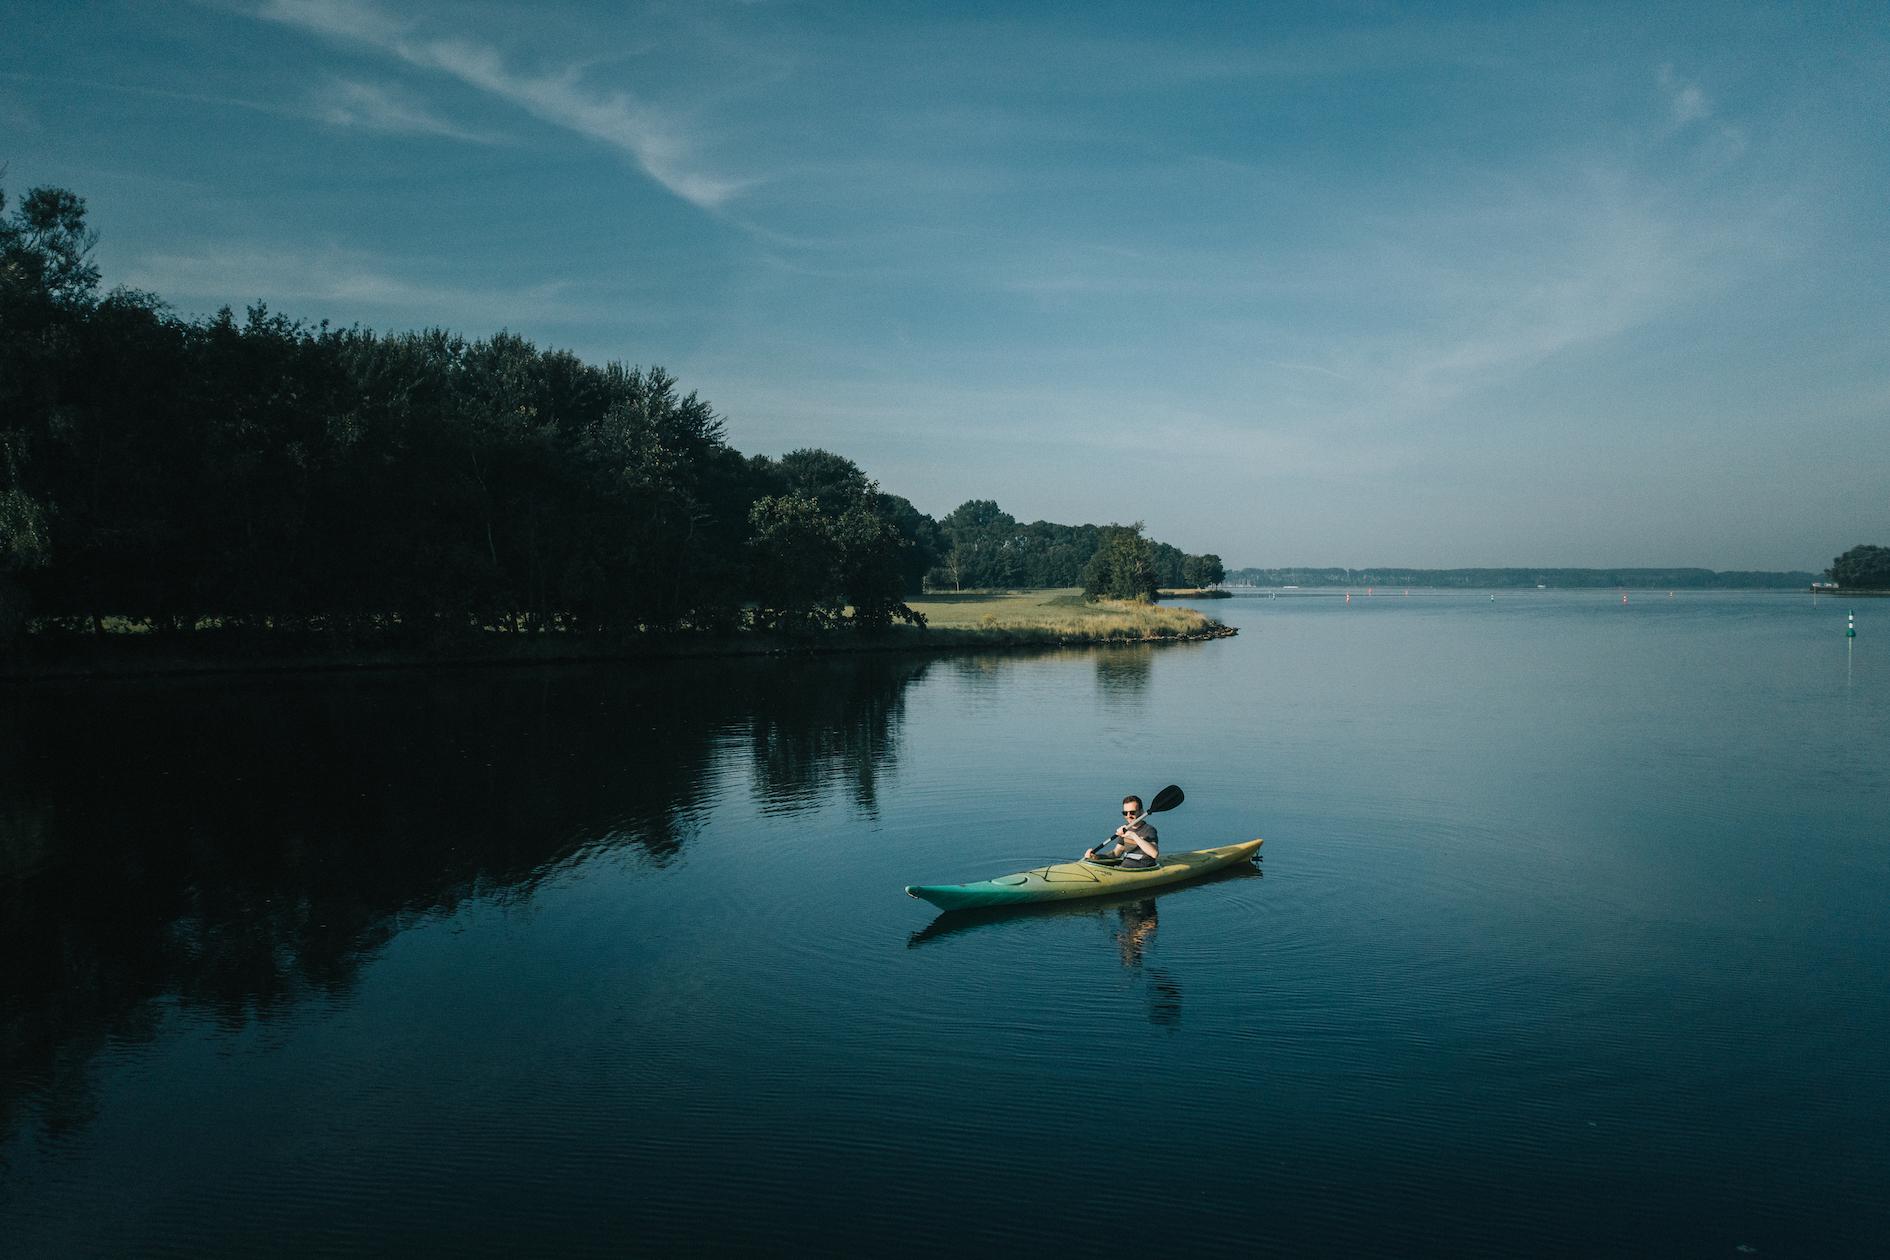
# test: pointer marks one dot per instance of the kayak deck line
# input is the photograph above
(1063, 881)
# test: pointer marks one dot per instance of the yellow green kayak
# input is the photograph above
(1068, 880)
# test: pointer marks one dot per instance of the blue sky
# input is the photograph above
(1337, 284)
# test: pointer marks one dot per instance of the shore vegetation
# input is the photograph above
(1062, 616)
(984, 547)
(1862, 568)
(257, 488)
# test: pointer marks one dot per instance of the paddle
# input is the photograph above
(1165, 800)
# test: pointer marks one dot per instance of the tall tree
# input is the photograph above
(833, 481)
(1123, 566)
(873, 567)
(795, 558)
(46, 249)
(1202, 571)
(986, 540)
(1864, 566)
(48, 287)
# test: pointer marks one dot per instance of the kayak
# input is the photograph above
(1067, 881)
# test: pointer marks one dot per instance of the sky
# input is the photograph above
(1345, 284)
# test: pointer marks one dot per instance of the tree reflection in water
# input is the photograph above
(1123, 673)
(236, 847)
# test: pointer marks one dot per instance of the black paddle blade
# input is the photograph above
(1166, 799)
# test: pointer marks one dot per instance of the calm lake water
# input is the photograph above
(1572, 935)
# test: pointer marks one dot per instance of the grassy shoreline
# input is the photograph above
(963, 622)
(1059, 612)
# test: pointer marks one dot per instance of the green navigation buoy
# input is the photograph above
(1850, 627)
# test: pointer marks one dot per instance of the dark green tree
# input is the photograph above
(985, 541)
(795, 559)
(1123, 566)
(1170, 564)
(46, 250)
(873, 565)
(48, 287)
(984, 546)
(1863, 567)
(1202, 571)
(25, 541)
(833, 481)
(924, 540)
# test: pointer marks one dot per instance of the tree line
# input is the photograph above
(1863, 567)
(260, 474)
(984, 546)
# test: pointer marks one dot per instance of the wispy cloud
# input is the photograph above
(1686, 100)
(1688, 106)
(162, 94)
(1592, 269)
(377, 108)
(342, 19)
(657, 141)
(346, 103)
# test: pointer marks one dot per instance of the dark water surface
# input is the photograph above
(1572, 936)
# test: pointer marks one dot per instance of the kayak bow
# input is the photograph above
(1067, 881)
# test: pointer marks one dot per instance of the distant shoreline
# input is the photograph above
(1396, 588)
(1517, 577)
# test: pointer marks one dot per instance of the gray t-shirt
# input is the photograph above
(1145, 829)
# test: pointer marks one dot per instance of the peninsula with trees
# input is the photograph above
(1863, 570)
(256, 489)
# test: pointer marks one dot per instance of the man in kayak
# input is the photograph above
(1134, 841)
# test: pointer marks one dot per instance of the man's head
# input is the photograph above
(1131, 807)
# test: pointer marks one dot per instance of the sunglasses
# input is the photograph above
(1130, 813)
